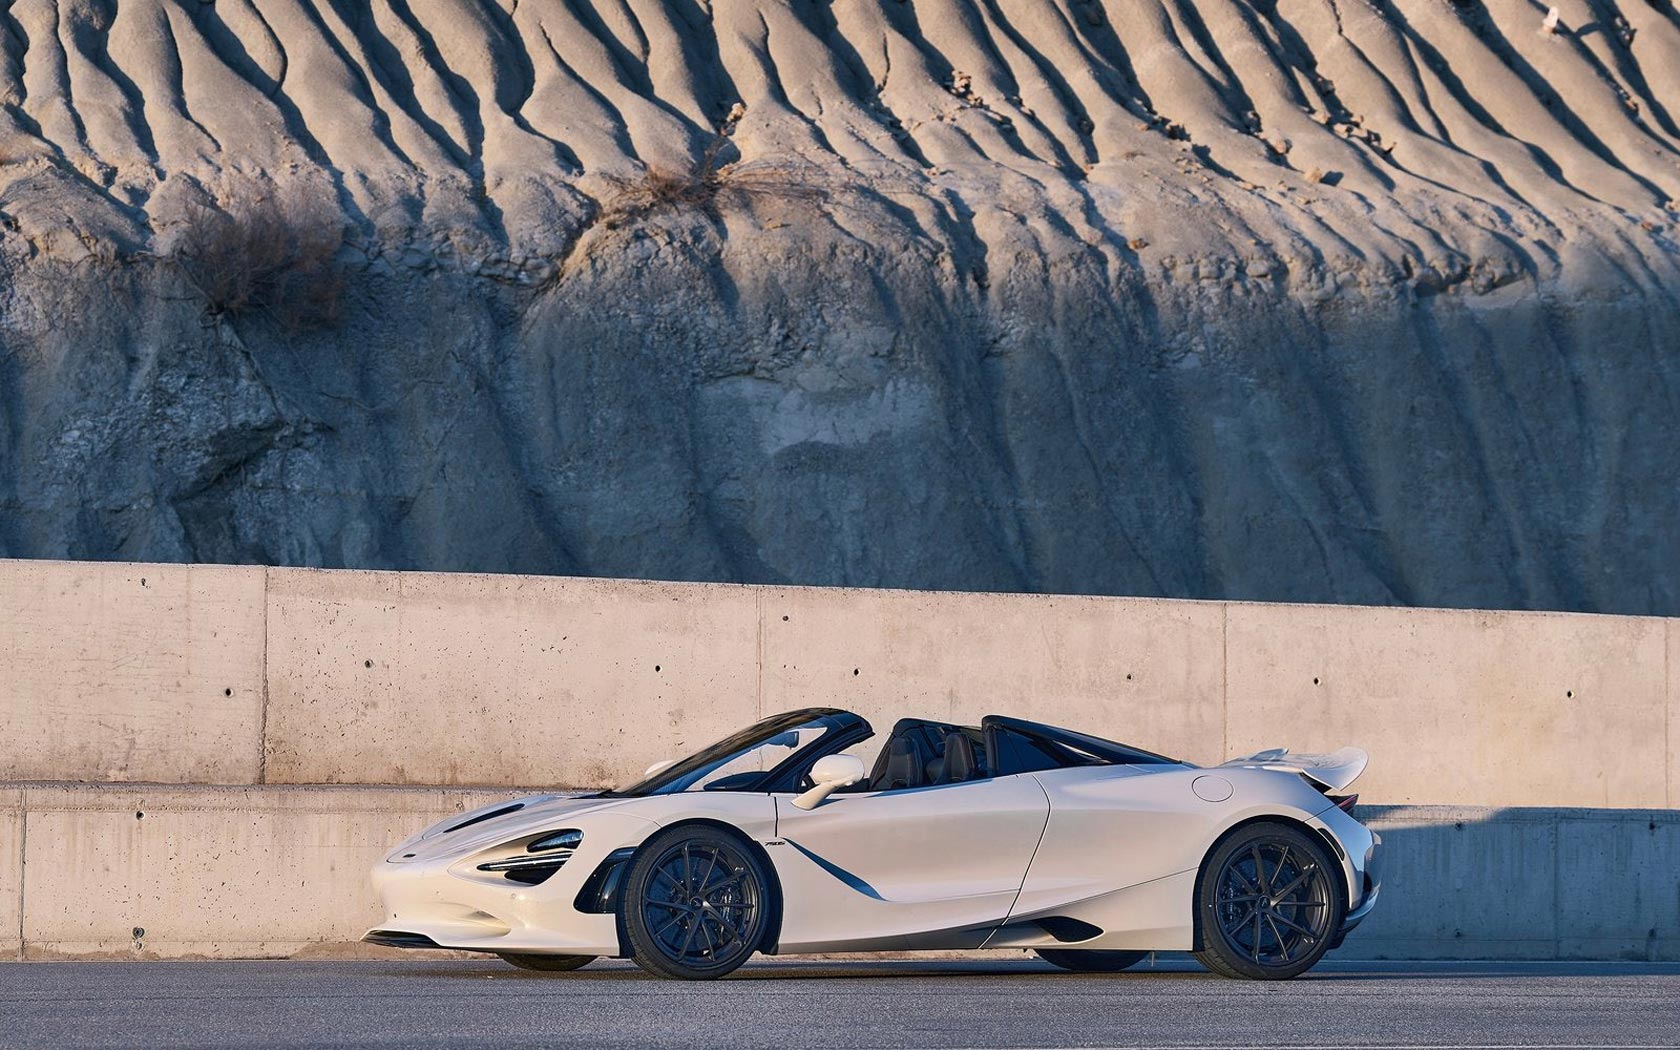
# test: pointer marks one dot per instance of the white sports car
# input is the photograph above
(1008, 834)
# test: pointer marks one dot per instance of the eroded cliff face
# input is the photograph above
(1303, 300)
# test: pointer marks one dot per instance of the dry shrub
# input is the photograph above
(708, 187)
(265, 251)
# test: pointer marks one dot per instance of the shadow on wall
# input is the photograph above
(1524, 883)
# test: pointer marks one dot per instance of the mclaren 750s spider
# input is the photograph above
(1007, 835)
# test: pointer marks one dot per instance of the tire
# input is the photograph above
(1268, 904)
(1085, 960)
(547, 963)
(696, 903)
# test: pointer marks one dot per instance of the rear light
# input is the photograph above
(1345, 803)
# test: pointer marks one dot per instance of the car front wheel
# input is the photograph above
(696, 903)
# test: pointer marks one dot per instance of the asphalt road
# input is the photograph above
(1012, 1002)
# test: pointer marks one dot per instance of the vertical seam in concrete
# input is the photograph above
(1668, 713)
(23, 861)
(1557, 899)
(758, 598)
(262, 717)
(1224, 681)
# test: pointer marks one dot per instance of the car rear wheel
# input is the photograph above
(695, 905)
(1268, 904)
(547, 963)
(1089, 961)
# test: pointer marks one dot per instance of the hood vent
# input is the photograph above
(492, 815)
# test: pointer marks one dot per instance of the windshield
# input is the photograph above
(742, 760)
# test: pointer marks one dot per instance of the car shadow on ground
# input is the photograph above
(1167, 968)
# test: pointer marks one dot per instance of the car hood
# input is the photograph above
(486, 826)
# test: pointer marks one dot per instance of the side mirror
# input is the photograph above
(830, 774)
(660, 767)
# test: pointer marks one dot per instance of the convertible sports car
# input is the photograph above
(1008, 834)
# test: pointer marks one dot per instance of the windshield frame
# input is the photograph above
(835, 721)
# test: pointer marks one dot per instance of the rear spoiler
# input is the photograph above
(1331, 772)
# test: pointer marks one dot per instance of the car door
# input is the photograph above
(922, 867)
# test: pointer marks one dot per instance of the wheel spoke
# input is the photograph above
(1283, 859)
(1260, 869)
(1282, 947)
(1233, 927)
(739, 928)
(660, 931)
(689, 940)
(1256, 948)
(726, 883)
(1235, 872)
(669, 905)
(1297, 880)
(708, 876)
(1292, 924)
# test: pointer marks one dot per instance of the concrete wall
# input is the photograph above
(281, 871)
(180, 872)
(163, 682)
(1468, 882)
(131, 672)
(194, 674)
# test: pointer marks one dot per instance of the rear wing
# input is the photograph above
(1331, 772)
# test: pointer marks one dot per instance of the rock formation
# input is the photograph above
(1321, 300)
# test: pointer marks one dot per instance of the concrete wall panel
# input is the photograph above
(11, 873)
(1619, 895)
(424, 678)
(130, 672)
(1495, 709)
(217, 873)
(1476, 883)
(1146, 672)
(1462, 882)
(1673, 685)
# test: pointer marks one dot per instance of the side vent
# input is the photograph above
(1068, 930)
(599, 895)
(400, 939)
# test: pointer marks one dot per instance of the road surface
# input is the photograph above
(1015, 1002)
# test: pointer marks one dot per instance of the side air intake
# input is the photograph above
(1068, 930)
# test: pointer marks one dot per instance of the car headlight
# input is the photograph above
(543, 856)
(571, 838)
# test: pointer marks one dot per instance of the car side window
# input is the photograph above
(1019, 753)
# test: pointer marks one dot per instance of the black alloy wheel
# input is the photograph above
(696, 903)
(1269, 904)
(547, 963)
(1085, 960)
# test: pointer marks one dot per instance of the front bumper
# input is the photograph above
(442, 901)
